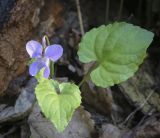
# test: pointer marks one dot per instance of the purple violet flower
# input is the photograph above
(43, 54)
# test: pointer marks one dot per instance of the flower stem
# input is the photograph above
(47, 40)
(51, 63)
(52, 70)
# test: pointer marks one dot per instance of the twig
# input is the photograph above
(120, 9)
(9, 132)
(143, 119)
(137, 109)
(107, 10)
(80, 17)
(149, 12)
(139, 9)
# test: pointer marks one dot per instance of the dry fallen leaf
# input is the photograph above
(81, 125)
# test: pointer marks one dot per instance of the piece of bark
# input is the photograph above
(150, 129)
(139, 87)
(110, 131)
(22, 107)
(80, 126)
(98, 98)
(17, 25)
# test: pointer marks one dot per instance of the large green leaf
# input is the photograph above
(118, 49)
(58, 107)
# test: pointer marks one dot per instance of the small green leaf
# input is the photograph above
(118, 49)
(31, 61)
(58, 108)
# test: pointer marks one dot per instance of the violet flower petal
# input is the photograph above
(54, 52)
(46, 72)
(35, 67)
(34, 49)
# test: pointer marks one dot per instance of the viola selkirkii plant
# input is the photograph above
(116, 50)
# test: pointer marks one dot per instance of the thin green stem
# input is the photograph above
(85, 78)
(51, 70)
(87, 75)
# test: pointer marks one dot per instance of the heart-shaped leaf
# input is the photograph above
(118, 49)
(58, 107)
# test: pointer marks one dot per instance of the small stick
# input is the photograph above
(107, 10)
(80, 17)
(149, 13)
(120, 9)
(137, 109)
(9, 132)
(139, 9)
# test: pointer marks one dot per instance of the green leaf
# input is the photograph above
(58, 108)
(117, 48)
(31, 61)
